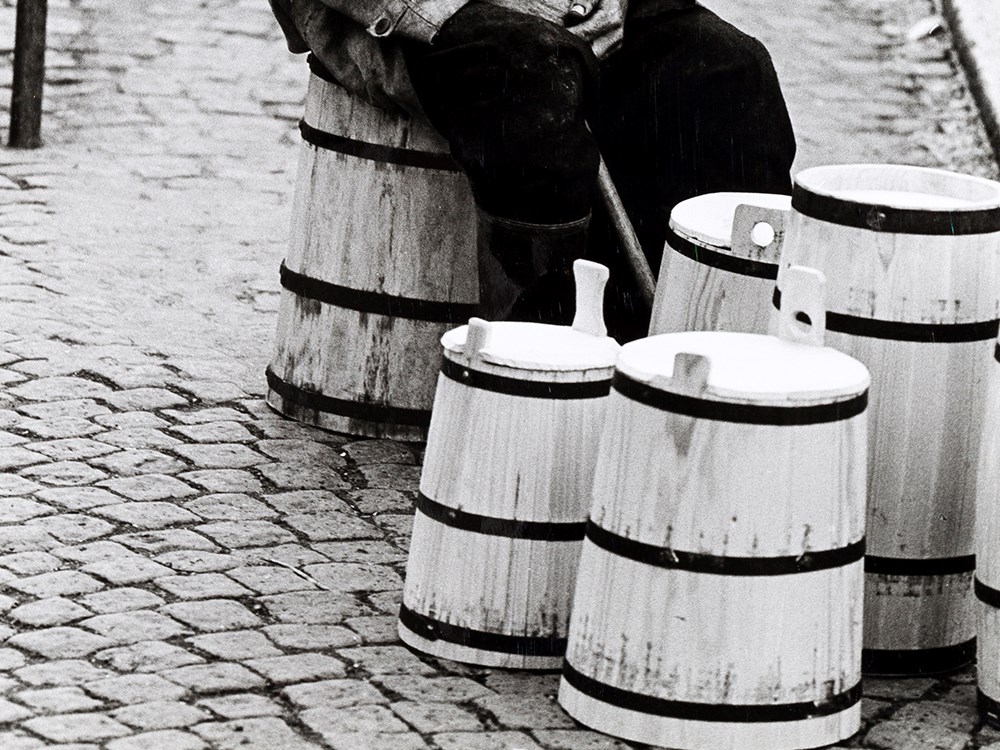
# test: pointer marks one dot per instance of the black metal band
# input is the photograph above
(878, 218)
(549, 531)
(986, 594)
(366, 412)
(915, 662)
(989, 708)
(725, 411)
(379, 152)
(743, 713)
(724, 565)
(516, 387)
(723, 261)
(376, 303)
(319, 70)
(435, 630)
(996, 352)
(928, 333)
(930, 566)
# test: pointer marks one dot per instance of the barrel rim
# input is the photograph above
(721, 258)
(812, 200)
(528, 383)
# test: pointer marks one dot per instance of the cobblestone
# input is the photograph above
(120, 600)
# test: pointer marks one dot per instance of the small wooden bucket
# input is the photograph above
(910, 257)
(718, 601)
(381, 263)
(987, 581)
(505, 488)
(720, 263)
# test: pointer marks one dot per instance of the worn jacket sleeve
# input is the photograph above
(413, 19)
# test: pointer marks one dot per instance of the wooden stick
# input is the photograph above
(633, 250)
(29, 74)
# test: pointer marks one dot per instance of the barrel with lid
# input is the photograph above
(910, 256)
(381, 262)
(718, 601)
(720, 263)
(505, 488)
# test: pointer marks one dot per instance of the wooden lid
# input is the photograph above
(708, 219)
(746, 368)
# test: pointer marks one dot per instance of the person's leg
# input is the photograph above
(690, 105)
(508, 92)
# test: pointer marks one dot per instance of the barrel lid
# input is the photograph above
(708, 219)
(747, 367)
(536, 346)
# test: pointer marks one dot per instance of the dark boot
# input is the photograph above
(526, 270)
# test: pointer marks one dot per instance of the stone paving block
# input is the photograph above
(387, 602)
(429, 717)
(213, 615)
(160, 715)
(223, 480)
(130, 420)
(202, 586)
(215, 432)
(399, 526)
(434, 689)
(17, 509)
(131, 463)
(386, 660)
(355, 577)
(241, 706)
(20, 539)
(60, 672)
(365, 452)
(196, 561)
(204, 416)
(92, 552)
(364, 720)
(298, 475)
(378, 741)
(21, 741)
(57, 583)
(270, 579)
(265, 733)
(284, 554)
(30, 563)
(126, 570)
(307, 452)
(64, 473)
(313, 607)
(58, 699)
(306, 501)
(283, 670)
(234, 534)
(220, 455)
(236, 645)
(135, 688)
(566, 739)
(147, 515)
(11, 712)
(134, 626)
(11, 485)
(167, 540)
(71, 449)
(361, 551)
(59, 642)
(147, 656)
(46, 612)
(77, 408)
(333, 525)
(377, 501)
(526, 712)
(71, 528)
(375, 630)
(522, 683)
(149, 487)
(174, 739)
(60, 427)
(896, 735)
(138, 438)
(61, 389)
(145, 399)
(939, 714)
(78, 498)
(485, 741)
(214, 678)
(17, 457)
(230, 506)
(8, 439)
(391, 476)
(307, 637)
(11, 659)
(78, 727)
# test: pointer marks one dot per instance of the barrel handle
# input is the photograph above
(477, 338)
(690, 375)
(802, 318)
(758, 232)
(590, 279)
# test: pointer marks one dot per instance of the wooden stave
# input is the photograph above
(461, 425)
(935, 259)
(672, 732)
(318, 200)
(987, 581)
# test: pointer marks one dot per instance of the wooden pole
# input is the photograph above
(29, 74)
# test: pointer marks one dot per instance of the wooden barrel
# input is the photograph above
(718, 601)
(381, 263)
(987, 581)
(910, 257)
(720, 263)
(505, 489)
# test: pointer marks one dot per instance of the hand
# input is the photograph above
(598, 23)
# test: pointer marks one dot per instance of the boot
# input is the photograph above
(526, 270)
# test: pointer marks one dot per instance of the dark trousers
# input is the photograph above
(688, 105)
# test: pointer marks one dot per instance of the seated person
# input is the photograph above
(679, 102)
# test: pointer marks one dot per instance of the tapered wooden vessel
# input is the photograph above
(720, 263)
(718, 601)
(987, 581)
(381, 263)
(505, 489)
(910, 256)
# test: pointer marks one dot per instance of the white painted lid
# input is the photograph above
(538, 347)
(748, 367)
(708, 219)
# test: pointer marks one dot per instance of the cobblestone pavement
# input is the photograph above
(180, 568)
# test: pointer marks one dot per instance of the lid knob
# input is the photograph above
(802, 318)
(590, 279)
(477, 337)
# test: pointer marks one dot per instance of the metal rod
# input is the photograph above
(29, 74)
(633, 250)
